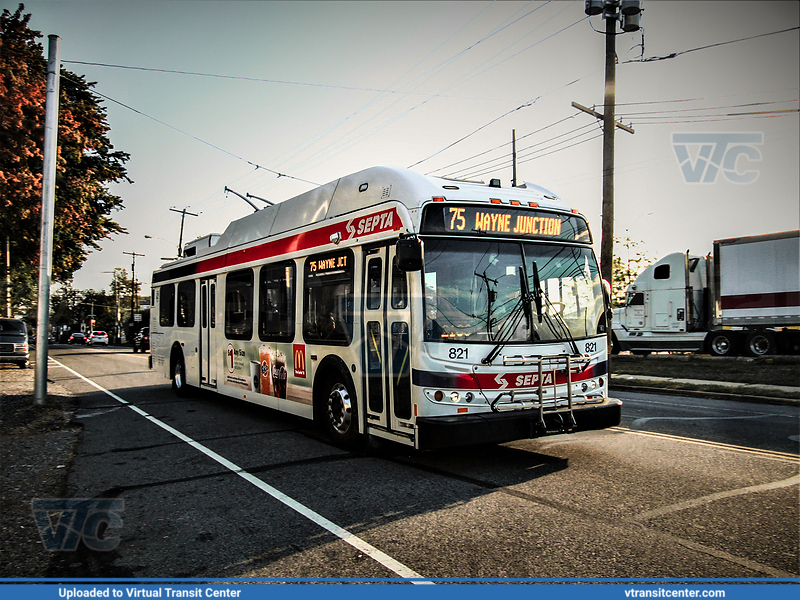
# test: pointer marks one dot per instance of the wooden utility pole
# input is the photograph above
(183, 214)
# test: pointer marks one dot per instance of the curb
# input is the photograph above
(723, 390)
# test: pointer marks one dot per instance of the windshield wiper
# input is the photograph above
(521, 308)
(537, 291)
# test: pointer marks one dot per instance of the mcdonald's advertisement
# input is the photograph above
(262, 368)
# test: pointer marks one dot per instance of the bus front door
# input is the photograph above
(208, 324)
(387, 343)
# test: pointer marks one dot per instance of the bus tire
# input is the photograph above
(760, 343)
(721, 343)
(179, 385)
(337, 410)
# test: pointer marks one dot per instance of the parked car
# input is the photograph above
(14, 342)
(141, 341)
(77, 338)
(98, 338)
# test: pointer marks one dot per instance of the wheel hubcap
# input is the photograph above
(340, 409)
(759, 345)
(722, 345)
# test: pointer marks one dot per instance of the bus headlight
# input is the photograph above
(455, 396)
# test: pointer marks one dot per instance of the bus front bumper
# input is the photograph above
(499, 427)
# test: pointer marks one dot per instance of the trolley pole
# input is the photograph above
(48, 209)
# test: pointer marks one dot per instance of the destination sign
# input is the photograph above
(505, 221)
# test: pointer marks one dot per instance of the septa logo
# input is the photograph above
(299, 352)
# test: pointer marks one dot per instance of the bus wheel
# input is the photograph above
(339, 414)
(760, 343)
(721, 343)
(179, 376)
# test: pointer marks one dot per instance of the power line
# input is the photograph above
(258, 79)
(676, 54)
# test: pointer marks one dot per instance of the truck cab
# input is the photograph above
(666, 307)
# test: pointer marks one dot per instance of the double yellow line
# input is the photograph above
(784, 456)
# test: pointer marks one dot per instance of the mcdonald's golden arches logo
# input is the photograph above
(299, 351)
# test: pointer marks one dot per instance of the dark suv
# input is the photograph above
(141, 341)
(14, 342)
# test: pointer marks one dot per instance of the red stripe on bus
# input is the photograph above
(302, 241)
(775, 300)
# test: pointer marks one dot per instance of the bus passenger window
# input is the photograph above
(328, 298)
(186, 294)
(166, 306)
(239, 305)
(399, 286)
(374, 271)
(276, 302)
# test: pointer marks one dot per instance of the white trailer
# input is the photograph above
(744, 297)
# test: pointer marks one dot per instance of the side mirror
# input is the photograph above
(409, 253)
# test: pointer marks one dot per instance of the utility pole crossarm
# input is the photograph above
(598, 115)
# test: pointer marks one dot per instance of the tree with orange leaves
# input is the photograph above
(87, 162)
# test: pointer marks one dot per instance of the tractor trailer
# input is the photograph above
(743, 298)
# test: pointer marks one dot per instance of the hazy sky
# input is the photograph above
(317, 90)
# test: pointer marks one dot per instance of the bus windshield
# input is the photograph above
(484, 291)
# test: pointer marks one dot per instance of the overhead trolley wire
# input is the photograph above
(426, 75)
(194, 137)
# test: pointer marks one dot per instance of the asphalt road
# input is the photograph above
(684, 488)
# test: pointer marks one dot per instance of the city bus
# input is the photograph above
(387, 304)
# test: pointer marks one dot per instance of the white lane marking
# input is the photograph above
(774, 485)
(362, 546)
(98, 413)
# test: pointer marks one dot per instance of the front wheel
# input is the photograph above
(721, 343)
(179, 377)
(339, 414)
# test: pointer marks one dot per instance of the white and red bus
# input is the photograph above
(426, 311)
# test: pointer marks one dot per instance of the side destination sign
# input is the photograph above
(505, 221)
(379, 222)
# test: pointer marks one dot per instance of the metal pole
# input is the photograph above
(48, 209)
(8, 276)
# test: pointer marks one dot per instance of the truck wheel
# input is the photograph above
(721, 343)
(760, 343)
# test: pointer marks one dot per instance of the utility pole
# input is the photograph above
(133, 282)
(627, 12)
(183, 214)
(513, 158)
(48, 210)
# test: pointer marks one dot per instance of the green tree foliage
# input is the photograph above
(87, 162)
(629, 261)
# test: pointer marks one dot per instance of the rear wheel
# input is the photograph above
(760, 343)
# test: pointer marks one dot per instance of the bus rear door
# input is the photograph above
(208, 323)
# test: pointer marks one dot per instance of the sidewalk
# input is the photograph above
(36, 447)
